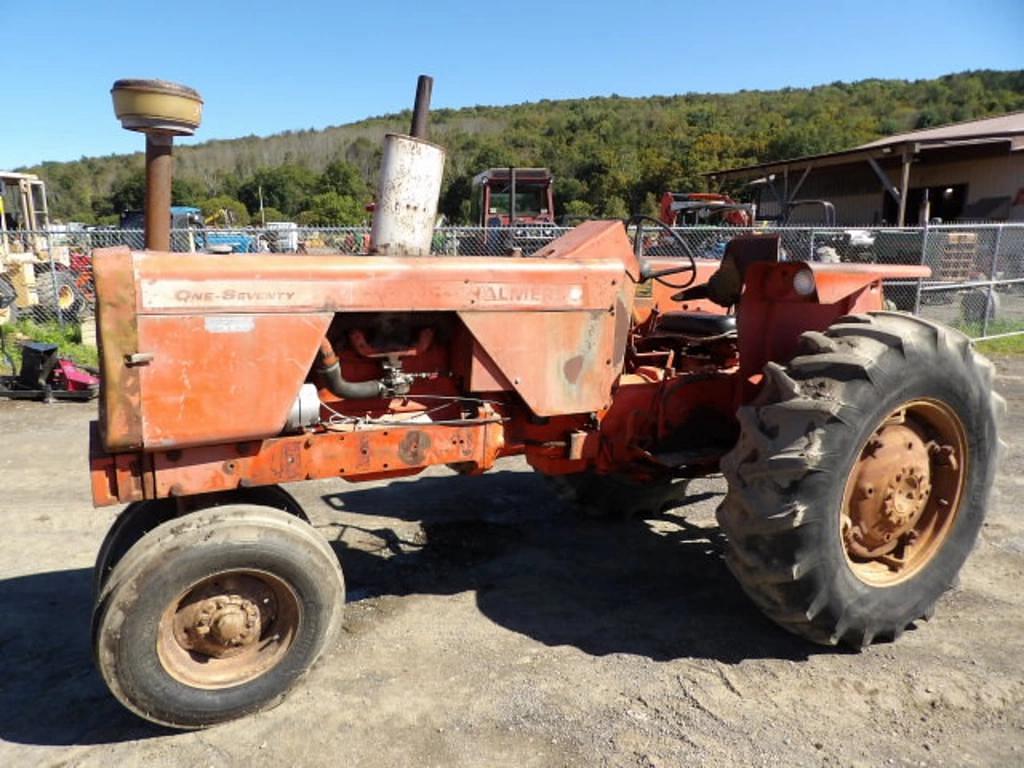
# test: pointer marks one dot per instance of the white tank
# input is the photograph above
(410, 184)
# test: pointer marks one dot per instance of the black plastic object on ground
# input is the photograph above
(44, 375)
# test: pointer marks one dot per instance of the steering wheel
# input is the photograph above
(647, 272)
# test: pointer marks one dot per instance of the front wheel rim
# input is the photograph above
(228, 629)
(904, 492)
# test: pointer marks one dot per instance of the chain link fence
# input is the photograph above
(977, 282)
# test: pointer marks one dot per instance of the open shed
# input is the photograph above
(970, 171)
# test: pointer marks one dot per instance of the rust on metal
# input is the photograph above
(770, 301)
(120, 411)
(836, 282)
(904, 492)
(214, 375)
(228, 629)
(194, 390)
(159, 171)
(414, 446)
(569, 372)
(370, 453)
(573, 368)
(891, 491)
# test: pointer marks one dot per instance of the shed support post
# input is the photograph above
(799, 183)
(884, 178)
(904, 191)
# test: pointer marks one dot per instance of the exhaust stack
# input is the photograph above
(409, 187)
(161, 110)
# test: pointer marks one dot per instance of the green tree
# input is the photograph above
(580, 209)
(615, 208)
(329, 209)
(345, 179)
(455, 199)
(187, 191)
(269, 214)
(225, 211)
(286, 187)
(129, 192)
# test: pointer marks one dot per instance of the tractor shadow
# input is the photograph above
(655, 587)
(50, 691)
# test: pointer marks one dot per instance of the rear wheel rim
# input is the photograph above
(228, 629)
(904, 493)
(65, 297)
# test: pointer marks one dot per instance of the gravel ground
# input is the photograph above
(487, 627)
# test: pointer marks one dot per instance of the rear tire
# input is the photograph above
(59, 297)
(975, 305)
(786, 514)
(613, 497)
(8, 296)
(216, 615)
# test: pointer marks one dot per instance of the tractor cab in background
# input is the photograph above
(516, 206)
(506, 196)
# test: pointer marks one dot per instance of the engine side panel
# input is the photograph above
(215, 378)
(558, 362)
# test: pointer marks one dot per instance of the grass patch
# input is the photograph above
(1011, 345)
(68, 338)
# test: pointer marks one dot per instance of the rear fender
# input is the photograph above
(773, 314)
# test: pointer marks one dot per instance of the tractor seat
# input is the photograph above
(696, 324)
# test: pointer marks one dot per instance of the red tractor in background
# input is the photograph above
(688, 209)
(712, 216)
(504, 197)
(516, 208)
(859, 445)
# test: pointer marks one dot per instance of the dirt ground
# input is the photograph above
(488, 627)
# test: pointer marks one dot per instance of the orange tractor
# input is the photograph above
(859, 445)
(679, 209)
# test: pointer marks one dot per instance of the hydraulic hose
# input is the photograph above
(330, 369)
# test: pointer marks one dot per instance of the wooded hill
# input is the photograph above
(610, 155)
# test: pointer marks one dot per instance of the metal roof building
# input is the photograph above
(966, 171)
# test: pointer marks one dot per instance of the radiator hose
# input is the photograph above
(330, 369)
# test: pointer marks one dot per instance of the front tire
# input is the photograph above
(141, 517)
(216, 614)
(861, 477)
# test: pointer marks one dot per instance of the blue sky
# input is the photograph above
(264, 67)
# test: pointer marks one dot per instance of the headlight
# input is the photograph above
(803, 282)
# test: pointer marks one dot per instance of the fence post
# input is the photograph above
(991, 281)
(53, 281)
(924, 258)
